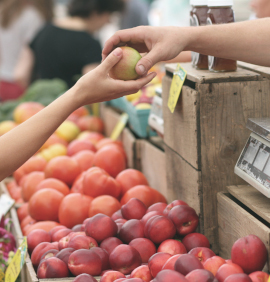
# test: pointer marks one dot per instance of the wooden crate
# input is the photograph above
(151, 162)
(236, 220)
(264, 71)
(205, 135)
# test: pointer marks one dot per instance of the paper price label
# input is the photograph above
(178, 80)
(17, 262)
(120, 126)
(6, 204)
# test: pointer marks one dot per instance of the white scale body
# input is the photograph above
(253, 164)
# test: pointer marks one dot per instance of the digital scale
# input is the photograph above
(253, 164)
(155, 119)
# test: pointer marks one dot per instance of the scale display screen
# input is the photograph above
(255, 161)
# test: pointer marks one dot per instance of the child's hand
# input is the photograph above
(97, 86)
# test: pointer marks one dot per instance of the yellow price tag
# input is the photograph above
(17, 262)
(2, 275)
(120, 126)
(95, 109)
(178, 80)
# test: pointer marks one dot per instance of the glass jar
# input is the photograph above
(220, 12)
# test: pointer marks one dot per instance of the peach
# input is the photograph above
(103, 256)
(184, 218)
(157, 261)
(120, 220)
(250, 253)
(120, 280)
(53, 183)
(60, 234)
(100, 227)
(259, 276)
(125, 258)
(84, 261)
(85, 159)
(64, 254)
(49, 254)
(52, 268)
(79, 145)
(213, 264)
(202, 253)
(132, 229)
(133, 209)
(125, 68)
(149, 215)
(173, 204)
(93, 137)
(109, 244)
(63, 243)
(226, 270)
(117, 215)
(82, 242)
(77, 228)
(145, 247)
(63, 168)
(26, 110)
(56, 228)
(200, 275)
(38, 252)
(159, 228)
(194, 240)
(169, 275)
(112, 275)
(169, 264)
(239, 277)
(90, 123)
(187, 263)
(84, 278)
(172, 247)
(36, 237)
(160, 207)
(142, 272)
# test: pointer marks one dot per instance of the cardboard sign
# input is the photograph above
(120, 126)
(17, 262)
(179, 77)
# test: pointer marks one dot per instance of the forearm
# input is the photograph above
(246, 41)
(22, 142)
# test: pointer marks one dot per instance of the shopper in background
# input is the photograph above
(134, 14)
(66, 48)
(20, 20)
(261, 8)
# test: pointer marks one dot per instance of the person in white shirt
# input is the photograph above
(20, 20)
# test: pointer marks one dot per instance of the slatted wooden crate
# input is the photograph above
(205, 135)
(242, 212)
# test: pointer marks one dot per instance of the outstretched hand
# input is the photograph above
(160, 44)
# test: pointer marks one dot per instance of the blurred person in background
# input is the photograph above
(261, 8)
(66, 47)
(134, 14)
(20, 20)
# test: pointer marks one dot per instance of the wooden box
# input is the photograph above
(206, 133)
(243, 212)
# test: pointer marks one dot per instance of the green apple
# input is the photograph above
(125, 68)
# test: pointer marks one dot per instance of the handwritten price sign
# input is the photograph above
(179, 77)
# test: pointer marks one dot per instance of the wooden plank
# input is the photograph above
(184, 182)
(224, 110)
(263, 71)
(152, 164)
(129, 141)
(253, 199)
(234, 222)
(206, 76)
(181, 128)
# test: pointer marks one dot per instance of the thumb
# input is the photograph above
(112, 59)
(146, 62)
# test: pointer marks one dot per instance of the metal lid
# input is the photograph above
(220, 3)
(199, 2)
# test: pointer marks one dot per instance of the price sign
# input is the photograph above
(5, 204)
(120, 126)
(2, 275)
(17, 262)
(178, 80)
